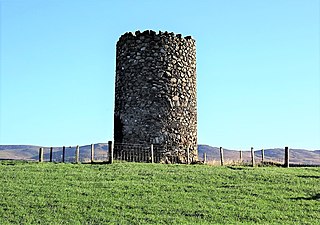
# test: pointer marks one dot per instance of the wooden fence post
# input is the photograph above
(286, 157)
(51, 152)
(221, 156)
(240, 156)
(92, 153)
(110, 148)
(63, 153)
(152, 155)
(124, 155)
(130, 159)
(262, 156)
(41, 155)
(204, 157)
(252, 157)
(77, 153)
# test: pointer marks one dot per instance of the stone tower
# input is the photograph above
(155, 92)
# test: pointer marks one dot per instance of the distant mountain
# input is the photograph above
(30, 152)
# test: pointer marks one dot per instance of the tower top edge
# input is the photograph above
(151, 33)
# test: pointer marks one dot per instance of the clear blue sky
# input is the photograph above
(257, 68)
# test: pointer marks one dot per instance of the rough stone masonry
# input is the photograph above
(155, 92)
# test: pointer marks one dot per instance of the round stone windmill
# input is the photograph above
(155, 92)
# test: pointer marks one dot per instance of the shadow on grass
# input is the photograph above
(304, 165)
(309, 176)
(315, 197)
(14, 162)
(96, 163)
(236, 168)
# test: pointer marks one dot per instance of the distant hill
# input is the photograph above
(18, 151)
(298, 156)
(30, 152)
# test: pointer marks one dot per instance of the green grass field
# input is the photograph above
(137, 193)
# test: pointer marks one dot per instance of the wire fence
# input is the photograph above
(74, 154)
(280, 157)
(153, 153)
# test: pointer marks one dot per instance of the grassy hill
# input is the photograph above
(138, 193)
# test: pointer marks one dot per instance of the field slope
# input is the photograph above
(137, 193)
